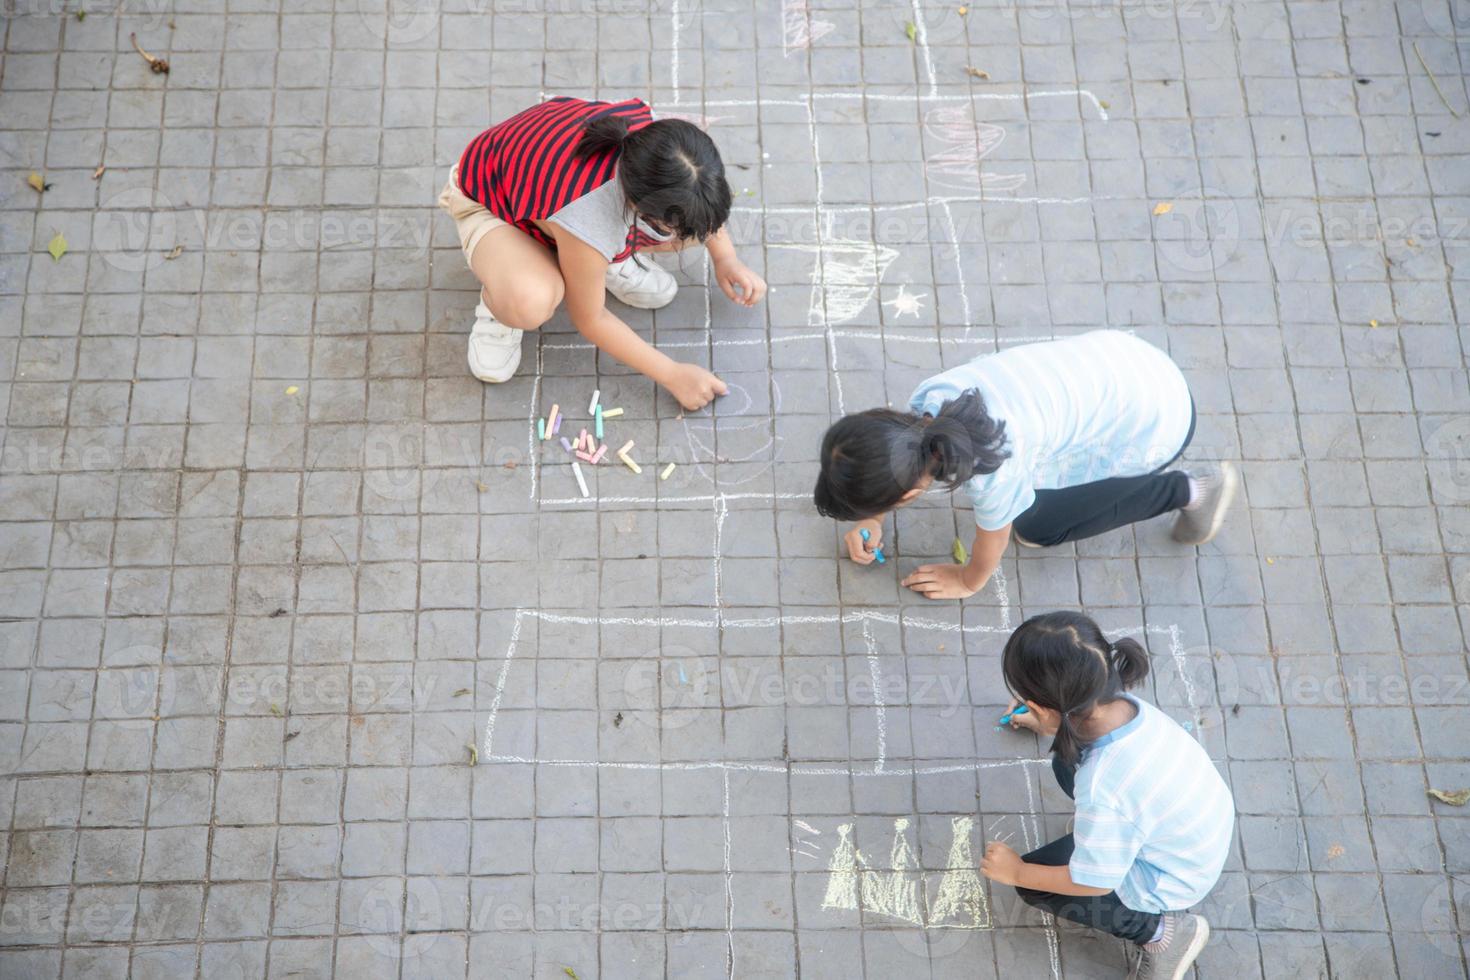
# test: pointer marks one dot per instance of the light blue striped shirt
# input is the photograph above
(1154, 818)
(1077, 410)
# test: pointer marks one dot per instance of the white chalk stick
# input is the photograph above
(581, 480)
(592, 405)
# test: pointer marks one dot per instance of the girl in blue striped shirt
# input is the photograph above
(1154, 819)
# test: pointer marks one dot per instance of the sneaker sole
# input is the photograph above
(1229, 482)
(1196, 946)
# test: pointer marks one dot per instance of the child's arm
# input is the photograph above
(583, 271)
(962, 581)
(1004, 865)
(731, 273)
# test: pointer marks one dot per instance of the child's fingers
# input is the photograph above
(752, 294)
(727, 286)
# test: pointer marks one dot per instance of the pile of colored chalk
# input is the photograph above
(585, 447)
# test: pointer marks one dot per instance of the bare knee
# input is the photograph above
(525, 304)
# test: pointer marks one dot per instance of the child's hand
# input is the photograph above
(940, 582)
(733, 275)
(693, 387)
(1001, 864)
(1026, 719)
(859, 550)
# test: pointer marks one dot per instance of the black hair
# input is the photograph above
(871, 459)
(1062, 661)
(670, 171)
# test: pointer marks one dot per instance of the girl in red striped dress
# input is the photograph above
(555, 202)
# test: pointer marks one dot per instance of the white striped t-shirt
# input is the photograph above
(1077, 410)
(1154, 818)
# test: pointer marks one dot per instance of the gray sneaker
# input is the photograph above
(1185, 935)
(1200, 525)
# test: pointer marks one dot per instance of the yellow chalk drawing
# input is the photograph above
(961, 893)
(958, 901)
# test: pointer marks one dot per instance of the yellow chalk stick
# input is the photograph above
(667, 470)
(628, 462)
(626, 446)
(611, 413)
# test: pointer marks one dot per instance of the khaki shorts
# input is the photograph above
(472, 219)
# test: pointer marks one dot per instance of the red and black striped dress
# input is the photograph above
(523, 169)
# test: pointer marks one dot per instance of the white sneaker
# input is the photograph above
(495, 349)
(648, 286)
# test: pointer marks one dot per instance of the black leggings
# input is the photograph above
(1105, 912)
(1089, 509)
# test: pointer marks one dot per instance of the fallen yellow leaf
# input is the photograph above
(57, 248)
(174, 253)
(974, 72)
(101, 169)
(963, 10)
(1163, 207)
(292, 389)
(1372, 323)
(1457, 798)
(37, 182)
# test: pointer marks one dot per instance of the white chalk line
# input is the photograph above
(921, 37)
(786, 338)
(729, 880)
(877, 681)
(792, 768)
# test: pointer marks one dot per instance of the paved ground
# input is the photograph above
(276, 573)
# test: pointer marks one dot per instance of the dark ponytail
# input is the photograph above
(871, 459)
(603, 133)
(1062, 661)
(670, 171)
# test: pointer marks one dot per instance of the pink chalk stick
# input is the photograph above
(587, 457)
(601, 452)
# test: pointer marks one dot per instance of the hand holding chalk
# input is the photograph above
(877, 552)
(1019, 709)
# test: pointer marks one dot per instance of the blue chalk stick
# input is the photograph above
(878, 554)
(1020, 709)
(865, 534)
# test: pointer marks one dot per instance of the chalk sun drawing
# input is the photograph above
(900, 890)
(961, 144)
(799, 29)
(907, 303)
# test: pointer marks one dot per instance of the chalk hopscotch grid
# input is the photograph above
(881, 767)
(820, 326)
